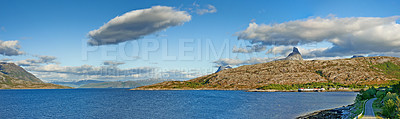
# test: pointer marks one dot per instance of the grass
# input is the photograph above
(389, 68)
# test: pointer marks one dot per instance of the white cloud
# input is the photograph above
(281, 50)
(113, 63)
(136, 24)
(238, 62)
(36, 62)
(254, 48)
(209, 9)
(10, 48)
(286, 50)
(178, 74)
(55, 72)
(91, 70)
(349, 36)
(5, 60)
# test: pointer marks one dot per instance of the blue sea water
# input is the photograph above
(123, 103)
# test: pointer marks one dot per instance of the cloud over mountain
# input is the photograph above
(113, 63)
(91, 70)
(10, 48)
(137, 24)
(46, 68)
(238, 62)
(36, 62)
(5, 60)
(254, 48)
(353, 35)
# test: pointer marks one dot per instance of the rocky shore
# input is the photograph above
(272, 90)
(336, 113)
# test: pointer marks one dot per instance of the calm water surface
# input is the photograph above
(122, 103)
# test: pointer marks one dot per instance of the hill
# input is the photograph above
(351, 71)
(17, 72)
(124, 84)
(77, 84)
(15, 77)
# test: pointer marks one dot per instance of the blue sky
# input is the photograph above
(60, 28)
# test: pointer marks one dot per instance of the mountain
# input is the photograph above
(359, 71)
(220, 68)
(295, 55)
(17, 72)
(355, 56)
(15, 77)
(77, 84)
(124, 84)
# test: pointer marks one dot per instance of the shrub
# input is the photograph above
(380, 94)
(388, 108)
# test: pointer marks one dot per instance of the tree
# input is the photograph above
(396, 88)
(389, 108)
(380, 94)
(397, 104)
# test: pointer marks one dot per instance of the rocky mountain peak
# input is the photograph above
(295, 55)
(220, 68)
(295, 50)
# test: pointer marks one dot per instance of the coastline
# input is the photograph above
(343, 112)
(247, 90)
(272, 90)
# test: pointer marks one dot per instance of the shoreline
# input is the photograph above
(272, 90)
(343, 112)
(252, 90)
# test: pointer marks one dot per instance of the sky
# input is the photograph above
(72, 40)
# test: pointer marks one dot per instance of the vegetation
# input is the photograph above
(389, 68)
(353, 73)
(368, 94)
(15, 77)
(387, 103)
(311, 85)
(319, 72)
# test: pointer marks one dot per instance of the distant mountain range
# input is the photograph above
(111, 84)
(359, 70)
(15, 77)
(124, 84)
(77, 84)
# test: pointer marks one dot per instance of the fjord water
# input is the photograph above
(123, 103)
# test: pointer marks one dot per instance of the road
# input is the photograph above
(369, 111)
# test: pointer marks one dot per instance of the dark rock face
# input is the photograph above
(337, 113)
(355, 56)
(220, 68)
(295, 55)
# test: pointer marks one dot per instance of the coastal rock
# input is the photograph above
(336, 113)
